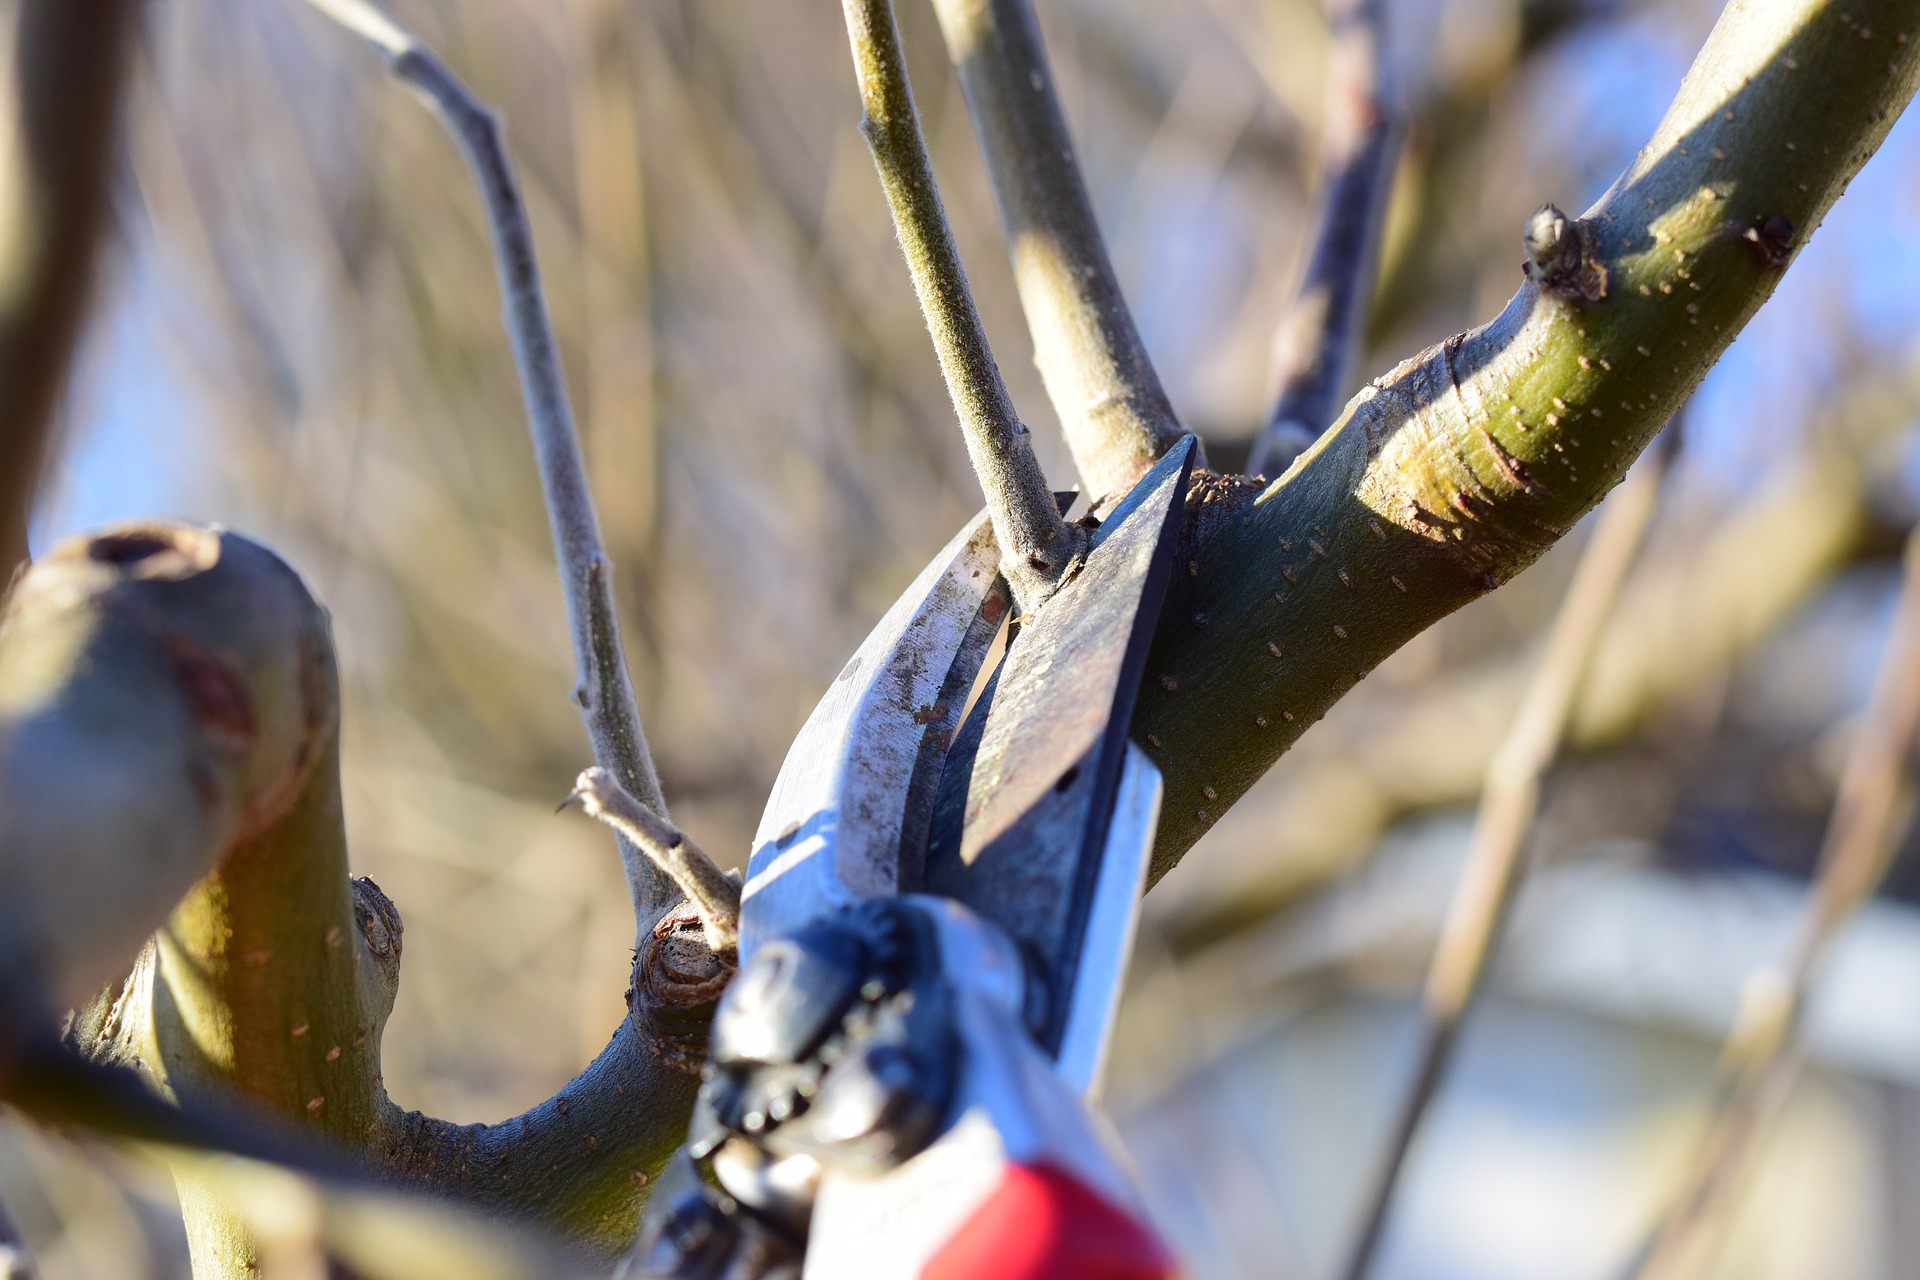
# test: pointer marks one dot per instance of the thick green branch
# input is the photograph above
(170, 715)
(1116, 417)
(1456, 470)
(1037, 546)
(581, 1162)
(1683, 618)
(159, 703)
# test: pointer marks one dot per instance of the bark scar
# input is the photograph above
(1511, 467)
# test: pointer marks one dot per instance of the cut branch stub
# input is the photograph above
(164, 693)
(169, 715)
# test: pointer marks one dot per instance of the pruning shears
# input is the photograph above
(938, 911)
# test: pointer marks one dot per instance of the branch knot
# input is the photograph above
(1561, 256)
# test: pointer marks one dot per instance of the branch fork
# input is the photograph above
(713, 893)
(1037, 547)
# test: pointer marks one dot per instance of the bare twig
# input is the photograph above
(1359, 149)
(1037, 547)
(1508, 806)
(714, 893)
(604, 692)
(1757, 1064)
(64, 63)
(1115, 414)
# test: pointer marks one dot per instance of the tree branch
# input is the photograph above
(309, 1227)
(275, 976)
(1036, 545)
(604, 692)
(1359, 151)
(169, 705)
(1456, 470)
(160, 700)
(714, 894)
(1116, 417)
(1508, 806)
(65, 62)
(1873, 804)
(170, 717)
(1683, 618)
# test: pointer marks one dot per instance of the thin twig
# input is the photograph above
(1873, 804)
(1508, 806)
(714, 893)
(1116, 416)
(1360, 148)
(1036, 545)
(604, 692)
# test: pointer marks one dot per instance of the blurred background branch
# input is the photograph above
(1503, 823)
(1873, 807)
(65, 66)
(1319, 336)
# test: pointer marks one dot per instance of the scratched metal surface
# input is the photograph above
(862, 771)
(1039, 780)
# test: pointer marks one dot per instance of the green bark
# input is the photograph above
(157, 705)
(1113, 411)
(216, 757)
(168, 696)
(1457, 469)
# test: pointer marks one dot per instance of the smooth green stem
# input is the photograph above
(1036, 545)
(1116, 416)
